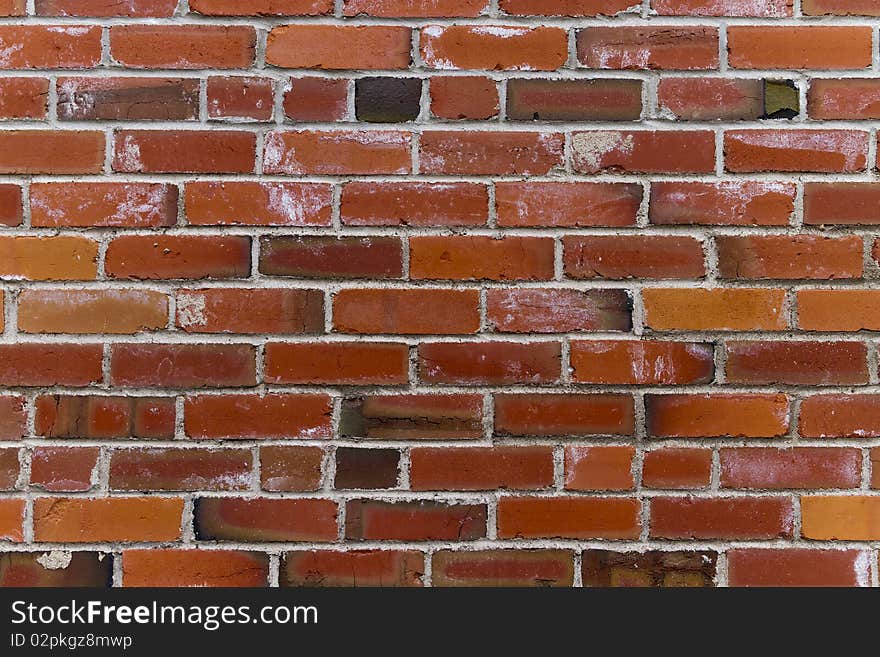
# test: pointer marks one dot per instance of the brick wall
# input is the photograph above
(439, 292)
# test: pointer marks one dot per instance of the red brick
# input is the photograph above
(12, 417)
(464, 97)
(474, 257)
(558, 310)
(406, 311)
(315, 99)
(823, 203)
(178, 257)
(11, 210)
(10, 467)
(718, 309)
(128, 99)
(43, 365)
(797, 363)
(838, 310)
(337, 363)
(184, 151)
(109, 311)
(12, 519)
(490, 153)
(59, 152)
(711, 99)
(252, 311)
(64, 469)
(568, 517)
(84, 569)
(290, 467)
(424, 520)
(414, 204)
(113, 519)
(571, 204)
(599, 468)
(262, 7)
(183, 46)
(241, 98)
(337, 152)
(677, 48)
(727, 203)
(104, 9)
(176, 568)
(821, 151)
(681, 468)
(367, 47)
(23, 98)
(250, 416)
(744, 518)
(101, 417)
(840, 416)
(332, 257)
(493, 47)
(798, 567)
(743, 415)
(180, 469)
(413, 417)
(564, 7)
(489, 363)
(840, 7)
(351, 568)
(633, 256)
(797, 47)
(422, 9)
(641, 362)
(851, 98)
(264, 519)
(183, 365)
(42, 46)
(789, 257)
(600, 99)
(799, 467)
(13, 7)
(103, 205)
(745, 8)
(643, 151)
(502, 568)
(481, 468)
(246, 203)
(563, 414)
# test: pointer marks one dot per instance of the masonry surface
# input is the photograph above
(439, 292)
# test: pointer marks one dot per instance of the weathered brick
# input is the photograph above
(603, 568)
(558, 310)
(408, 417)
(165, 567)
(128, 99)
(493, 47)
(352, 568)
(677, 48)
(424, 520)
(502, 568)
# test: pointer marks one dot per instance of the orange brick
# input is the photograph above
(796, 47)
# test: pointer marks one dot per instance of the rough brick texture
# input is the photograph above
(439, 293)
